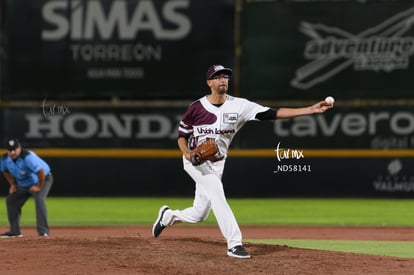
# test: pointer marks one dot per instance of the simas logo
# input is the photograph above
(332, 50)
(394, 180)
(95, 19)
(112, 32)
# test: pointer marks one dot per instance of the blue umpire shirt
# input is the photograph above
(25, 168)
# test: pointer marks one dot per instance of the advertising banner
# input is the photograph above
(243, 177)
(312, 49)
(62, 126)
(380, 127)
(98, 49)
(330, 177)
(65, 126)
(344, 152)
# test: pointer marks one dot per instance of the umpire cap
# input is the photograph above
(12, 144)
(218, 69)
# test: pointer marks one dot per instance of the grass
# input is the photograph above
(338, 212)
(86, 211)
(141, 211)
(382, 248)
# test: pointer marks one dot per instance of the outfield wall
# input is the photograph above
(309, 49)
(102, 86)
(349, 151)
(243, 177)
(146, 50)
(51, 124)
(103, 49)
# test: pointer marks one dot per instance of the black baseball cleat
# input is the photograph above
(238, 252)
(158, 226)
(10, 235)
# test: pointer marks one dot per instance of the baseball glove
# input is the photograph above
(203, 152)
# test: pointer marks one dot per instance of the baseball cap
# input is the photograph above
(12, 144)
(218, 69)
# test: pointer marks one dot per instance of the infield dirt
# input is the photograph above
(186, 249)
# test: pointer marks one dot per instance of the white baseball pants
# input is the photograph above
(209, 194)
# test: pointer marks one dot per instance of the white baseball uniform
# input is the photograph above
(204, 120)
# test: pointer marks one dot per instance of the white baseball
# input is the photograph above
(329, 100)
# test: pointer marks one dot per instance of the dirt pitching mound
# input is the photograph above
(189, 250)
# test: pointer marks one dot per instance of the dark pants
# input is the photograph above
(16, 200)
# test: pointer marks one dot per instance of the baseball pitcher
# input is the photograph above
(205, 133)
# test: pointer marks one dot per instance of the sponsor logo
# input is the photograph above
(230, 117)
(115, 32)
(332, 50)
(59, 124)
(102, 126)
(394, 180)
(94, 19)
(376, 129)
(388, 129)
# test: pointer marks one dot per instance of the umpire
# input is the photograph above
(28, 175)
